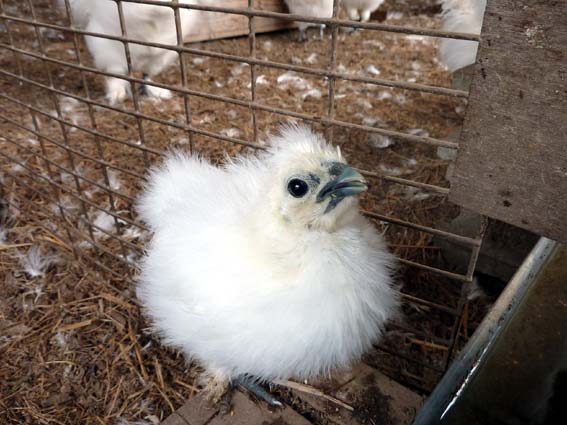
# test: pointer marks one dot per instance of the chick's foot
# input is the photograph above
(250, 385)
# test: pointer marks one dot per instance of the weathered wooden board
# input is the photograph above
(512, 161)
(244, 411)
(222, 25)
(374, 397)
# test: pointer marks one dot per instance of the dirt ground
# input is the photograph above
(74, 345)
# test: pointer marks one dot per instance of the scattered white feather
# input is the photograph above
(231, 132)
(232, 114)
(3, 235)
(104, 223)
(207, 119)
(371, 69)
(365, 103)
(312, 58)
(393, 171)
(133, 232)
(199, 60)
(61, 340)
(375, 43)
(380, 141)
(414, 194)
(261, 80)
(239, 69)
(460, 109)
(418, 132)
(371, 121)
(344, 70)
(267, 45)
(414, 38)
(35, 263)
(393, 15)
(114, 179)
(51, 34)
(313, 93)
(384, 95)
(292, 79)
(17, 168)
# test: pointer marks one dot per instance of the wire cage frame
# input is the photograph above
(42, 185)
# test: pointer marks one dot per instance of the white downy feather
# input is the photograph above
(246, 279)
(35, 263)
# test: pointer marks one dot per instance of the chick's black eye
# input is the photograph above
(297, 188)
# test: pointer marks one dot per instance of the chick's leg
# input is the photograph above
(353, 14)
(322, 31)
(302, 32)
(365, 16)
(252, 386)
(117, 89)
(153, 91)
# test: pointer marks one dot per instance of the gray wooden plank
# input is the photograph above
(512, 160)
(374, 397)
(244, 411)
(224, 25)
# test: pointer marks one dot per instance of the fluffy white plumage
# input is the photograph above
(315, 8)
(461, 16)
(143, 22)
(360, 10)
(247, 279)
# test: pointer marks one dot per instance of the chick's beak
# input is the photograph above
(348, 183)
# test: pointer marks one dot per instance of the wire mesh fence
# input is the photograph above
(73, 162)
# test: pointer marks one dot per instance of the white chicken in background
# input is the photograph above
(360, 10)
(150, 23)
(461, 16)
(265, 268)
(315, 8)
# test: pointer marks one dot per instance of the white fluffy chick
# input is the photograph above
(316, 8)
(461, 16)
(360, 10)
(265, 268)
(150, 23)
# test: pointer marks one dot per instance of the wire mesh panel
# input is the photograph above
(73, 162)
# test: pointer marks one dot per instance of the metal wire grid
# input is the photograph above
(105, 256)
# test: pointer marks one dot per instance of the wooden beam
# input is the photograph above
(223, 25)
(512, 160)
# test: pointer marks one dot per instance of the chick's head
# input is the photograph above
(313, 186)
